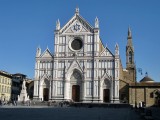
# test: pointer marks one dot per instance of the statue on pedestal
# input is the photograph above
(23, 97)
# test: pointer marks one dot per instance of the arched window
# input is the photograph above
(130, 57)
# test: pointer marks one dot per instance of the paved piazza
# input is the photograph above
(48, 113)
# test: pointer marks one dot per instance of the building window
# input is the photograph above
(89, 88)
(5, 89)
(60, 88)
(76, 44)
(8, 82)
(2, 88)
(152, 95)
(130, 57)
(89, 64)
(60, 73)
(89, 47)
(96, 88)
(89, 73)
(9, 90)
(2, 80)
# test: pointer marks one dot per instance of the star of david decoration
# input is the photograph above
(76, 27)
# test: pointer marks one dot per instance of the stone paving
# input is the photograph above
(155, 113)
(68, 113)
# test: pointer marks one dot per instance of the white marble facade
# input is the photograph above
(80, 69)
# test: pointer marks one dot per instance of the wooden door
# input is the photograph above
(45, 94)
(106, 95)
(76, 93)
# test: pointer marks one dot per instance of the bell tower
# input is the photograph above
(129, 52)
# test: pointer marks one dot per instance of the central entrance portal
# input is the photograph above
(76, 93)
(45, 94)
(106, 95)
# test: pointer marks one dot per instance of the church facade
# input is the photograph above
(81, 68)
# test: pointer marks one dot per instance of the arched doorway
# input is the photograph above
(106, 95)
(45, 94)
(106, 91)
(46, 90)
(76, 80)
(76, 93)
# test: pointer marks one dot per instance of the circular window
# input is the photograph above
(76, 44)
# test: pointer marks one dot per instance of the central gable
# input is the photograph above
(76, 24)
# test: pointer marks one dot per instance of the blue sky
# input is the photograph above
(27, 24)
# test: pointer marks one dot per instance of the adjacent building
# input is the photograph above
(131, 91)
(30, 87)
(128, 74)
(145, 92)
(17, 80)
(5, 86)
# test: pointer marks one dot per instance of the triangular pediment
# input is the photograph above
(106, 76)
(106, 80)
(46, 54)
(45, 76)
(74, 65)
(106, 52)
(76, 24)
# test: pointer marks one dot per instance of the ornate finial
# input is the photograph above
(116, 46)
(58, 25)
(96, 23)
(38, 53)
(77, 10)
(116, 49)
(129, 32)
